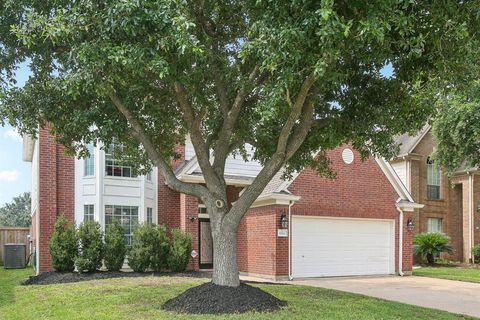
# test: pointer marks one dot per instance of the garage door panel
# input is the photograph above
(341, 247)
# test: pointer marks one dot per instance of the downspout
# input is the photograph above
(290, 277)
(400, 243)
(470, 216)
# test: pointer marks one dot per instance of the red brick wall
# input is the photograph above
(257, 239)
(360, 190)
(56, 188)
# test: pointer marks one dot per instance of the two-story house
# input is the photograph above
(452, 204)
(306, 226)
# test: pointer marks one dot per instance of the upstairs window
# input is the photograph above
(149, 176)
(115, 167)
(89, 163)
(88, 212)
(434, 180)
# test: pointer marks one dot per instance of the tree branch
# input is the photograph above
(223, 143)
(139, 133)
(213, 180)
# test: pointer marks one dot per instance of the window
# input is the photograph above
(149, 215)
(149, 176)
(434, 225)
(89, 163)
(115, 167)
(88, 212)
(128, 217)
(202, 209)
(434, 180)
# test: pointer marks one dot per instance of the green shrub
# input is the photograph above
(63, 245)
(430, 245)
(149, 249)
(180, 248)
(115, 246)
(91, 249)
(476, 253)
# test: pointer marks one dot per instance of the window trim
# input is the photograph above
(434, 173)
(89, 162)
(439, 222)
(92, 214)
(109, 156)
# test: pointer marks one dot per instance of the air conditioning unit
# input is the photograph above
(14, 255)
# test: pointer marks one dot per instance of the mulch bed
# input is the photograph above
(209, 298)
(69, 277)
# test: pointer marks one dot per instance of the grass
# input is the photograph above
(451, 272)
(142, 298)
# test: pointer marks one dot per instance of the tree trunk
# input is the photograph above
(430, 259)
(225, 268)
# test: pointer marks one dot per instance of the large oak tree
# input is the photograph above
(287, 77)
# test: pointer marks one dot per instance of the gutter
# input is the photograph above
(470, 216)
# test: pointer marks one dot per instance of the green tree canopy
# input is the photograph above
(17, 213)
(288, 77)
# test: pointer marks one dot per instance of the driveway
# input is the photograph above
(453, 296)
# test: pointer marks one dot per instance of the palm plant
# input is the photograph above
(429, 245)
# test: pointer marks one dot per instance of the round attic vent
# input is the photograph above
(347, 156)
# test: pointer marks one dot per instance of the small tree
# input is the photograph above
(63, 245)
(180, 248)
(91, 251)
(115, 246)
(431, 244)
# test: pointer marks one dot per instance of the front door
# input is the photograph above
(205, 244)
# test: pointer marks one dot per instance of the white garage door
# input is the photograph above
(323, 247)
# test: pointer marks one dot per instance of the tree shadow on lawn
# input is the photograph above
(9, 280)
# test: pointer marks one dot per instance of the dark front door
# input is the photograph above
(205, 244)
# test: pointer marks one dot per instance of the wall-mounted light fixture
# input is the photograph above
(410, 224)
(478, 208)
(284, 221)
(192, 218)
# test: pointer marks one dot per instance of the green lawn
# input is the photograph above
(470, 274)
(141, 298)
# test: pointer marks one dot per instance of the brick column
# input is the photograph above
(56, 192)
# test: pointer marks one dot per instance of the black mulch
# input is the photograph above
(68, 277)
(209, 298)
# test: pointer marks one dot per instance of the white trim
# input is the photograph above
(200, 179)
(28, 148)
(394, 179)
(470, 216)
(275, 199)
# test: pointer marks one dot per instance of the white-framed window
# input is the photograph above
(115, 167)
(434, 180)
(149, 176)
(435, 225)
(149, 215)
(88, 212)
(89, 163)
(202, 209)
(128, 217)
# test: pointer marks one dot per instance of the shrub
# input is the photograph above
(149, 249)
(476, 253)
(430, 245)
(115, 246)
(63, 245)
(180, 248)
(91, 251)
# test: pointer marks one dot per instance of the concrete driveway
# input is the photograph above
(453, 296)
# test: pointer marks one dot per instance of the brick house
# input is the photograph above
(452, 205)
(307, 226)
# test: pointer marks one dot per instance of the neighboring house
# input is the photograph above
(307, 226)
(452, 206)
